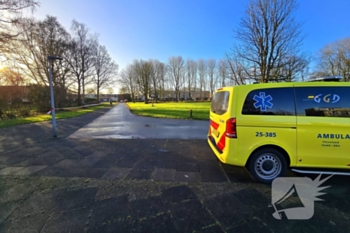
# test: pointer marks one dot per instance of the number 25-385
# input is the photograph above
(265, 134)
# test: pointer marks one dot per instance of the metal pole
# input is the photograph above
(52, 102)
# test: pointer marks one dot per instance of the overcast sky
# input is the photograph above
(159, 29)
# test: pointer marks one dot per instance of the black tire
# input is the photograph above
(267, 164)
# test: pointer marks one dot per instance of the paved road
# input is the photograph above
(119, 123)
(152, 185)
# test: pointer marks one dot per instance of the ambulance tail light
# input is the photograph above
(231, 128)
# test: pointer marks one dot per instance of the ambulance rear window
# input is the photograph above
(219, 103)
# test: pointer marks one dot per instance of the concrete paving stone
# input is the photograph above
(35, 204)
(221, 206)
(29, 170)
(13, 160)
(116, 173)
(85, 150)
(133, 155)
(7, 209)
(113, 158)
(53, 154)
(109, 211)
(245, 205)
(142, 208)
(72, 221)
(161, 156)
(9, 170)
(334, 201)
(103, 164)
(86, 172)
(144, 164)
(100, 154)
(34, 151)
(187, 166)
(18, 189)
(31, 223)
(263, 218)
(178, 194)
(161, 174)
(213, 176)
(48, 171)
(3, 158)
(191, 216)
(88, 161)
(119, 154)
(166, 163)
(153, 155)
(118, 225)
(68, 163)
(155, 224)
(240, 175)
(188, 176)
(209, 164)
(68, 200)
(251, 226)
(207, 155)
(252, 198)
(37, 161)
(72, 154)
(213, 229)
(136, 174)
(126, 163)
(229, 168)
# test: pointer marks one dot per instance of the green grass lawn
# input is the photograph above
(46, 117)
(181, 110)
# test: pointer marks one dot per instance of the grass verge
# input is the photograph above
(62, 114)
(181, 110)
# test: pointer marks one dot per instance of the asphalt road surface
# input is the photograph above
(119, 123)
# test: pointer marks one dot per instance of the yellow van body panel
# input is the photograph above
(307, 141)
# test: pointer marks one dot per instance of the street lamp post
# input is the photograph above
(50, 59)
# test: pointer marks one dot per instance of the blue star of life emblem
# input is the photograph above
(262, 101)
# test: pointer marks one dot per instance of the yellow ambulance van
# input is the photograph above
(271, 127)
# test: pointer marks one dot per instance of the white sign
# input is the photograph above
(296, 189)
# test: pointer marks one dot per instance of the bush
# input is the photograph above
(39, 96)
(10, 115)
(91, 101)
(24, 111)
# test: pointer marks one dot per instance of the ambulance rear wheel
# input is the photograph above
(267, 164)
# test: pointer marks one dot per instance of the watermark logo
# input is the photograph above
(298, 192)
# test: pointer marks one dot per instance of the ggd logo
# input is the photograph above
(329, 98)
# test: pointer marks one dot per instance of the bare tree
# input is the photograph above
(334, 59)
(106, 70)
(223, 72)
(194, 76)
(191, 76)
(158, 79)
(81, 59)
(37, 40)
(269, 34)
(202, 71)
(127, 78)
(143, 72)
(239, 72)
(212, 69)
(10, 15)
(176, 69)
(11, 77)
